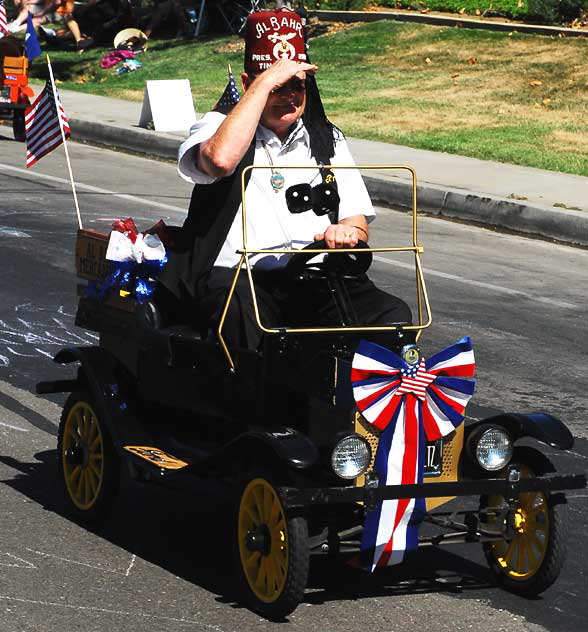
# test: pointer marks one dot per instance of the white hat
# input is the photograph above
(133, 39)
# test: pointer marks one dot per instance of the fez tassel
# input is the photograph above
(410, 405)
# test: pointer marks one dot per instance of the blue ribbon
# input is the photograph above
(130, 276)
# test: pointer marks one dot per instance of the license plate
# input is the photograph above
(433, 458)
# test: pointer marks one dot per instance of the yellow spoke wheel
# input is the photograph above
(263, 540)
(87, 462)
(531, 560)
(82, 455)
(272, 548)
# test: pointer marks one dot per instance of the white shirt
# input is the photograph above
(270, 225)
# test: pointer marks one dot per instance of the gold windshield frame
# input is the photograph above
(423, 305)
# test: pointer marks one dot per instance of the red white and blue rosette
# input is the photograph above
(410, 405)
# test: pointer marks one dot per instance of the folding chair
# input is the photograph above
(196, 17)
(234, 12)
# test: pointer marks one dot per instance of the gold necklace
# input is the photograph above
(277, 180)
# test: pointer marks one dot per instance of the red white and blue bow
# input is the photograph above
(409, 405)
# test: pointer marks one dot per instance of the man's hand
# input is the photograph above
(282, 71)
(346, 234)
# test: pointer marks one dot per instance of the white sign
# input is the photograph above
(168, 103)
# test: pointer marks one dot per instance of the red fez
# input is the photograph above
(270, 36)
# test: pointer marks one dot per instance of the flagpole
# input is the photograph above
(73, 186)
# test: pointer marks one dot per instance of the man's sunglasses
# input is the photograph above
(293, 85)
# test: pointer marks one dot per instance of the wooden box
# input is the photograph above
(15, 65)
(91, 255)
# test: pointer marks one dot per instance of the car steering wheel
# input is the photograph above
(344, 265)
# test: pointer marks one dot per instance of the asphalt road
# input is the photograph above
(163, 559)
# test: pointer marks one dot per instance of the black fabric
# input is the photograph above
(282, 302)
(240, 328)
(212, 210)
(322, 133)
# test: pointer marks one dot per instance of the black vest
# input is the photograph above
(198, 243)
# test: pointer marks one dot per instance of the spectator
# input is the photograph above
(23, 8)
(103, 19)
(34, 7)
(174, 13)
(53, 11)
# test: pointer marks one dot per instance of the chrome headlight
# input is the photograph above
(493, 448)
(351, 456)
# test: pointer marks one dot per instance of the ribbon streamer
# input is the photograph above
(135, 260)
(409, 404)
(129, 276)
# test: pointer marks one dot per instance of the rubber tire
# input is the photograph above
(18, 126)
(298, 561)
(555, 554)
(111, 470)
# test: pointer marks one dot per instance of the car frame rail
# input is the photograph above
(371, 495)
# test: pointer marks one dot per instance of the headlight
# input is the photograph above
(493, 449)
(351, 456)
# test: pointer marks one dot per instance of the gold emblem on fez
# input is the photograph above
(282, 47)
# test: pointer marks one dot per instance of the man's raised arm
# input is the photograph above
(220, 154)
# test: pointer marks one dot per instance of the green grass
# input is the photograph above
(512, 98)
(164, 59)
(506, 8)
(535, 11)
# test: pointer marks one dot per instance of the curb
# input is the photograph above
(134, 140)
(562, 225)
(566, 226)
(440, 20)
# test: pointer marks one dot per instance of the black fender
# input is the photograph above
(97, 373)
(526, 455)
(284, 446)
(540, 426)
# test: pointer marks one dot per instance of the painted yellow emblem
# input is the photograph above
(157, 457)
(411, 355)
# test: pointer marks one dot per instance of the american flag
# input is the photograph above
(230, 97)
(3, 19)
(42, 125)
(410, 405)
(415, 379)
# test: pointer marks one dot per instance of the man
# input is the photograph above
(275, 124)
(54, 11)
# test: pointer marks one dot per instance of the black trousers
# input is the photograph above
(293, 303)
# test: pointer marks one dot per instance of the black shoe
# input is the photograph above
(45, 36)
(84, 44)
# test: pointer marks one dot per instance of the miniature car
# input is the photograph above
(282, 426)
(15, 92)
